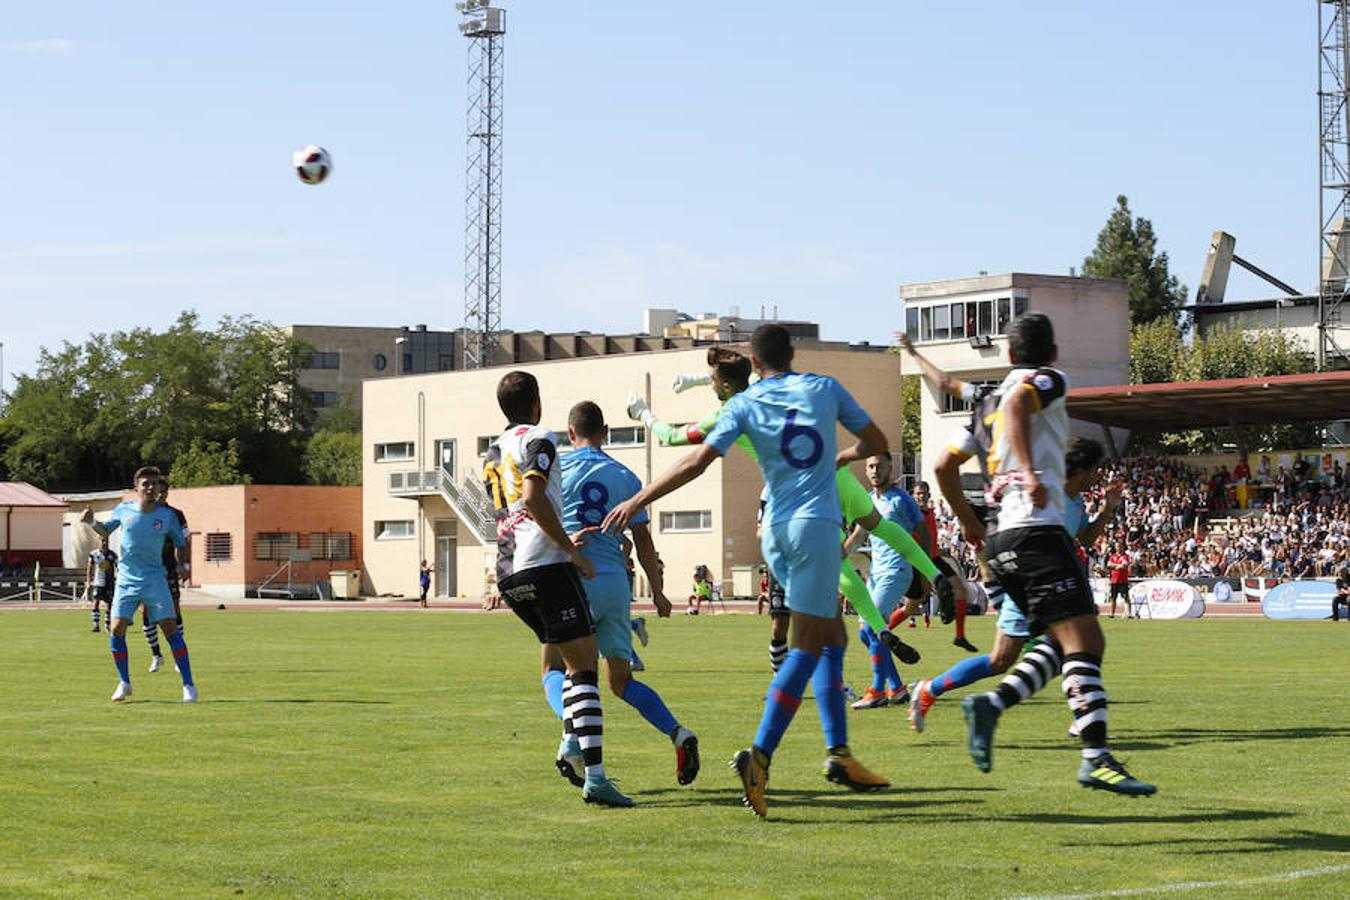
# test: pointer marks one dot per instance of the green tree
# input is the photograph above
(912, 438)
(1156, 352)
(333, 457)
(206, 464)
(1127, 248)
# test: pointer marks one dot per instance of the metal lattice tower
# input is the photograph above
(1333, 205)
(485, 27)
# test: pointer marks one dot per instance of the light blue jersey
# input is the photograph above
(895, 504)
(593, 483)
(790, 420)
(1075, 515)
(143, 534)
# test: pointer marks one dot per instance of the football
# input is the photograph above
(312, 163)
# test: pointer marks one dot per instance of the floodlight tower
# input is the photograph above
(485, 27)
(1333, 202)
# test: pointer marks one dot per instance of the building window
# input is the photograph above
(958, 321)
(323, 399)
(335, 545)
(1004, 314)
(942, 327)
(984, 318)
(1019, 306)
(626, 436)
(320, 359)
(219, 546)
(379, 362)
(686, 521)
(394, 529)
(485, 441)
(926, 323)
(952, 404)
(912, 323)
(398, 451)
(275, 545)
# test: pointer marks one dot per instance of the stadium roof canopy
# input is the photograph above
(1316, 397)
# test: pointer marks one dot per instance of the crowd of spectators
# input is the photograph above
(1176, 521)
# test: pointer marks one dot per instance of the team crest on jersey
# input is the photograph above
(544, 462)
(1043, 381)
(158, 525)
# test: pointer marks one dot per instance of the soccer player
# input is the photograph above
(148, 626)
(142, 580)
(730, 374)
(539, 572)
(592, 483)
(1081, 462)
(1020, 431)
(790, 419)
(100, 574)
(889, 579)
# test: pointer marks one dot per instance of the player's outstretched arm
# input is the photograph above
(539, 507)
(871, 442)
(947, 384)
(651, 565)
(686, 470)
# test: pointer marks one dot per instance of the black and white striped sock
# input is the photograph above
(581, 707)
(778, 651)
(152, 637)
(94, 615)
(1087, 700)
(1035, 669)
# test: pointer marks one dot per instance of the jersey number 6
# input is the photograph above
(792, 431)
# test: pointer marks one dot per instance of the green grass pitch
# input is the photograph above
(411, 754)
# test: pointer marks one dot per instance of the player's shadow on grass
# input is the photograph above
(1181, 737)
(1290, 840)
(1217, 815)
(894, 800)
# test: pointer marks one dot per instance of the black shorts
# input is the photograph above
(918, 587)
(1121, 589)
(103, 594)
(777, 599)
(551, 600)
(1039, 570)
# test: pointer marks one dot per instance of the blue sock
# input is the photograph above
(785, 695)
(828, 685)
(637, 660)
(876, 653)
(649, 703)
(965, 672)
(893, 679)
(119, 652)
(553, 690)
(180, 656)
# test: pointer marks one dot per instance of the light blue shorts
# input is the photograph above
(154, 594)
(804, 555)
(888, 590)
(1011, 620)
(610, 600)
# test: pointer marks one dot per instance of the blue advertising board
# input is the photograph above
(1299, 600)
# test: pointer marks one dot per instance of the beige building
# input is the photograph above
(960, 325)
(424, 435)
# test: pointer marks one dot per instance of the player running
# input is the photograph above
(592, 483)
(1020, 432)
(790, 419)
(1042, 661)
(100, 575)
(539, 572)
(141, 578)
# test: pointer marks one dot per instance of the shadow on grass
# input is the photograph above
(825, 799)
(213, 701)
(1184, 737)
(1209, 815)
(1289, 840)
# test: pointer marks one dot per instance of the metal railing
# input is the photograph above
(466, 497)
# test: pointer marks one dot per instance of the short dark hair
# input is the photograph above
(731, 366)
(586, 419)
(1082, 455)
(517, 393)
(1031, 338)
(773, 345)
(151, 472)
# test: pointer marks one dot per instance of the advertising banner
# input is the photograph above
(1160, 599)
(1299, 600)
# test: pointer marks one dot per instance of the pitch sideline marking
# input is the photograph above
(1194, 885)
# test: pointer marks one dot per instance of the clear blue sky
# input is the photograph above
(812, 155)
